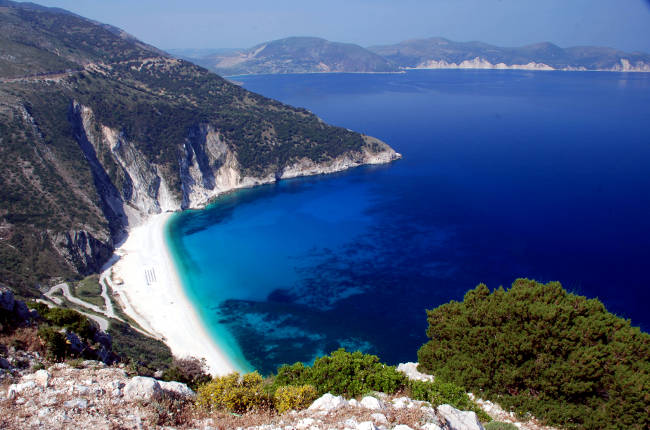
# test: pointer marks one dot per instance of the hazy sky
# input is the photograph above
(624, 24)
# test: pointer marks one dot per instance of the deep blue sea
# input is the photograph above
(505, 174)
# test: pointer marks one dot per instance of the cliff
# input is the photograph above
(439, 53)
(98, 131)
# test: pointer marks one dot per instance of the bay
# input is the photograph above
(505, 174)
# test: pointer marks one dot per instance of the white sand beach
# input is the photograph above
(146, 284)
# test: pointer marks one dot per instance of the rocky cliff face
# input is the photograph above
(130, 188)
(99, 131)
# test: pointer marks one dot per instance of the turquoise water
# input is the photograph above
(505, 174)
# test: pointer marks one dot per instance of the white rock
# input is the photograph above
(411, 372)
(76, 403)
(177, 389)
(366, 425)
(430, 426)
(402, 427)
(372, 403)
(353, 402)
(380, 418)
(402, 402)
(328, 403)
(142, 388)
(15, 389)
(305, 423)
(42, 377)
(459, 420)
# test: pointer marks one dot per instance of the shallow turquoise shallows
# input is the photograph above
(505, 174)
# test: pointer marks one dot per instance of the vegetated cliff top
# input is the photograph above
(97, 127)
(415, 52)
(297, 55)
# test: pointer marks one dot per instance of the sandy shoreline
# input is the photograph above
(146, 284)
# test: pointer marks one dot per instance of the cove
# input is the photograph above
(505, 174)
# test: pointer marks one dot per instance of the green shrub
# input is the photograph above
(65, 318)
(538, 349)
(498, 425)
(344, 373)
(234, 393)
(55, 342)
(294, 397)
(438, 393)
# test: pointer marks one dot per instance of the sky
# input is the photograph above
(201, 24)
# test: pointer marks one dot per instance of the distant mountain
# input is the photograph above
(296, 55)
(98, 131)
(314, 55)
(439, 53)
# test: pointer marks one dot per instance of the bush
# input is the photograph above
(190, 371)
(55, 342)
(439, 393)
(294, 397)
(538, 349)
(65, 318)
(234, 393)
(498, 425)
(344, 373)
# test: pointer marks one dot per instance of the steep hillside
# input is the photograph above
(297, 55)
(437, 52)
(99, 130)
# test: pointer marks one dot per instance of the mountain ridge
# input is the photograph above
(298, 55)
(98, 131)
(428, 53)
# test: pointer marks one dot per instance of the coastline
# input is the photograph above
(146, 283)
(144, 280)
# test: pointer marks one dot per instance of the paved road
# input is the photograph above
(65, 289)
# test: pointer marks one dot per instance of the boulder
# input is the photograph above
(21, 310)
(411, 371)
(7, 299)
(73, 341)
(371, 403)
(177, 389)
(402, 427)
(328, 403)
(4, 363)
(459, 420)
(142, 388)
(42, 377)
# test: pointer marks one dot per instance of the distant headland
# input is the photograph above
(316, 55)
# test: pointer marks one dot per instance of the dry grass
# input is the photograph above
(24, 338)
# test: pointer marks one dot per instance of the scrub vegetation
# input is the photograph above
(538, 349)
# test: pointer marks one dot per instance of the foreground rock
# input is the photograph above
(98, 396)
(92, 396)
